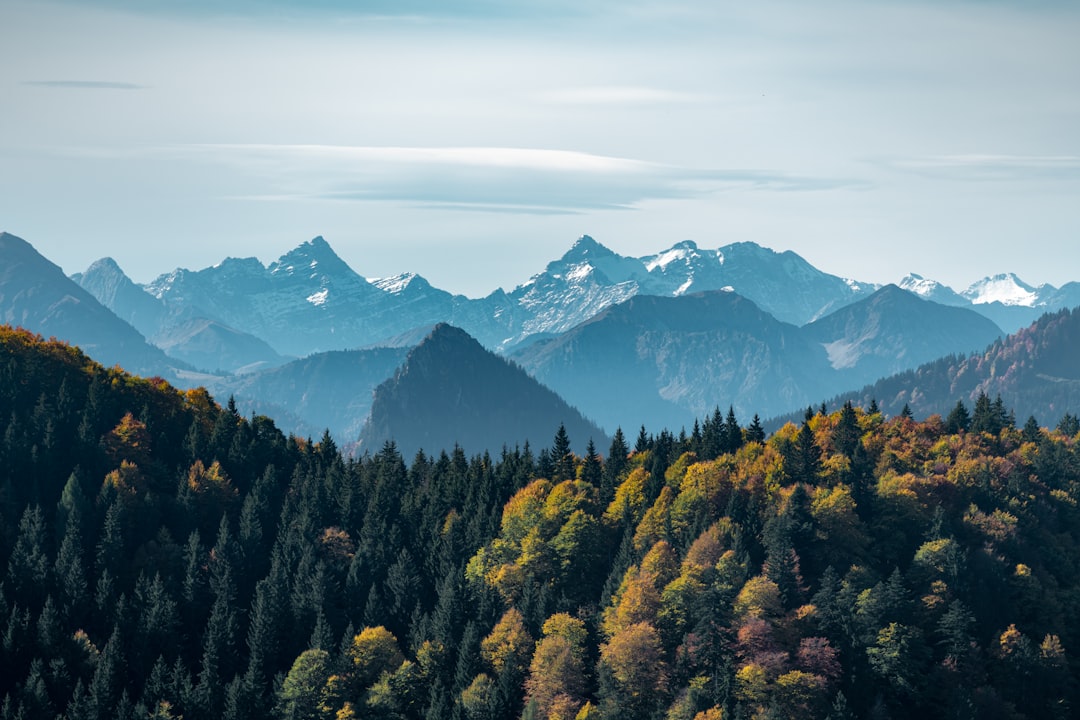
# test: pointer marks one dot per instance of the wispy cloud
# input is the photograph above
(991, 167)
(617, 95)
(85, 84)
(489, 179)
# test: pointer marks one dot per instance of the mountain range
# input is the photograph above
(661, 339)
(674, 359)
(309, 300)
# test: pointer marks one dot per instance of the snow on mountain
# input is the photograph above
(931, 290)
(1006, 289)
(395, 284)
(586, 279)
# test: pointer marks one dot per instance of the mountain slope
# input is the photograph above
(115, 290)
(1033, 370)
(669, 360)
(37, 295)
(331, 390)
(893, 330)
(450, 390)
(213, 346)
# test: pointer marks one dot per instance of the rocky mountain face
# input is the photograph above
(590, 277)
(450, 390)
(36, 294)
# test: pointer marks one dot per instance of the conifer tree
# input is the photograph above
(755, 433)
(958, 419)
(614, 465)
(561, 456)
(591, 469)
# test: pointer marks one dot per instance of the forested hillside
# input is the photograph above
(164, 556)
(1034, 371)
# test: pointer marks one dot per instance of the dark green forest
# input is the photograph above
(164, 556)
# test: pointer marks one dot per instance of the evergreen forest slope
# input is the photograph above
(165, 556)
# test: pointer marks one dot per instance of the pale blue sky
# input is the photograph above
(472, 142)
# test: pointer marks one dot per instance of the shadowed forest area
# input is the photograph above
(164, 556)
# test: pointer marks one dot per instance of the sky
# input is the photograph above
(472, 142)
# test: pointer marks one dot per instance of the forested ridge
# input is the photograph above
(163, 556)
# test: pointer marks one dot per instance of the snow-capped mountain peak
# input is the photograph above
(312, 259)
(917, 284)
(1005, 288)
(585, 247)
(679, 252)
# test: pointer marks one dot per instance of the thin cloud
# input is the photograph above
(991, 167)
(85, 84)
(485, 179)
(617, 95)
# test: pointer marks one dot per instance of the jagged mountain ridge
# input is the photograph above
(310, 300)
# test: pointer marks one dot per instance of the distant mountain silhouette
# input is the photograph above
(450, 390)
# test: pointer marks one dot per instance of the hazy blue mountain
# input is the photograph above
(894, 330)
(37, 295)
(215, 347)
(664, 361)
(782, 284)
(115, 290)
(206, 344)
(331, 390)
(307, 301)
(451, 390)
(1033, 370)
(667, 361)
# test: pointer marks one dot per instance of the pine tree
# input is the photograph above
(562, 457)
(734, 439)
(614, 465)
(958, 419)
(106, 686)
(591, 469)
(755, 433)
(642, 443)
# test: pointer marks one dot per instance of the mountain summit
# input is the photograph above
(451, 390)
